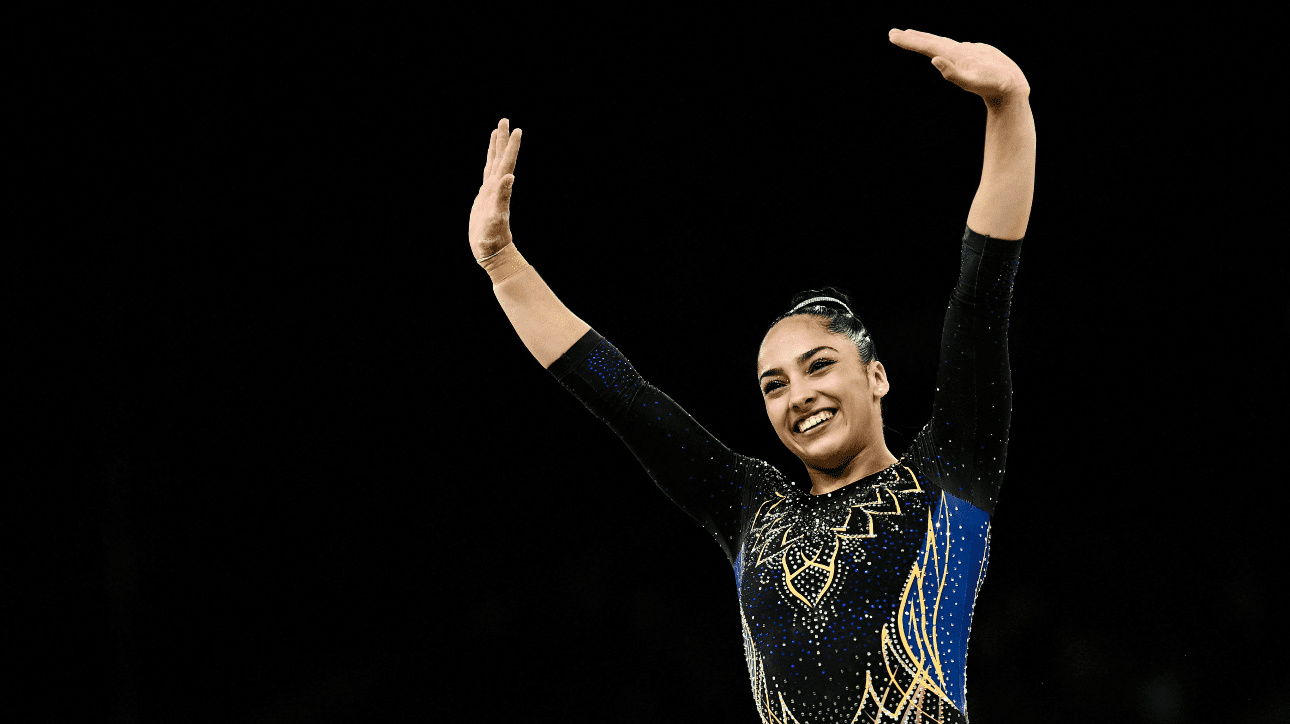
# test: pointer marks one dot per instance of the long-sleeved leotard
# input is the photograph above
(855, 604)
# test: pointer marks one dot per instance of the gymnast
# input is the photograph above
(856, 586)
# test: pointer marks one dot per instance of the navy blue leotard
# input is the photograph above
(855, 605)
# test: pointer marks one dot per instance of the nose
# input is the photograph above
(802, 398)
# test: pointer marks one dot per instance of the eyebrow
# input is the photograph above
(801, 358)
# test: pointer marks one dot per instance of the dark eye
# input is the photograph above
(818, 364)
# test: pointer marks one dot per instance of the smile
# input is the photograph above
(813, 429)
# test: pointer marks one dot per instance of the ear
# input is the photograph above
(878, 379)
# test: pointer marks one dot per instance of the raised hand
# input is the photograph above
(975, 67)
(490, 225)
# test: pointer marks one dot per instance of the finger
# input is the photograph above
(503, 136)
(512, 151)
(920, 42)
(492, 153)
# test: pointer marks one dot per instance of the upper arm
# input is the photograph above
(690, 465)
(967, 438)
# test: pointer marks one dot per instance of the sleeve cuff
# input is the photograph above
(983, 244)
(575, 354)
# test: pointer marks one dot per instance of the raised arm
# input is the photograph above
(1001, 208)
(544, 324)
(965, 445)
(706, 479)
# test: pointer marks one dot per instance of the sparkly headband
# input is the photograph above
(817, 299)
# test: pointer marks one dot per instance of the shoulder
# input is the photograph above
(761, 474)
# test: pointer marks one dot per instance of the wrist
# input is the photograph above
(1011, 103)
(503, 264)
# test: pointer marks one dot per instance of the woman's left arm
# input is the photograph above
(965, 446)
(1001, 208)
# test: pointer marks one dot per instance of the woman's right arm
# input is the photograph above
(547, 327)
(693, 468)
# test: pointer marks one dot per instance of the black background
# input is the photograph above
(290, 463)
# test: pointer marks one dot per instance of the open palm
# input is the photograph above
(490, 216)
(975, 67)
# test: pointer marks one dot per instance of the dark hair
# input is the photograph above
(837, 318)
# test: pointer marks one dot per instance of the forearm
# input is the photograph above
(1001, 208)
(544, 324)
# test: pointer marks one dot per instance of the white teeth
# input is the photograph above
(813, 420)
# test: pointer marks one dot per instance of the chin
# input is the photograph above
(831, 458)
(825, 460)
(832, 464)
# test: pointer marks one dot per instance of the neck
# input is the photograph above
(868, 461)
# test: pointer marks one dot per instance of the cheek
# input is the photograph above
(773, 413)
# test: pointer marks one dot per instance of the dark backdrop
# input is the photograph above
(294, 465)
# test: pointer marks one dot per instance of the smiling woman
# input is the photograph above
(856, 590)
(804, 391)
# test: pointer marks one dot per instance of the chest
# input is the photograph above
(799, 548)
(874, 586)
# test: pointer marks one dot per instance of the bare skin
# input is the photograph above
(1001, 207)
(978, 68)
(849, 446)
(490, 216)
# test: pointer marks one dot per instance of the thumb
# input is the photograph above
(940, 64)
(504, 191)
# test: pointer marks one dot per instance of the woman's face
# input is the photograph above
(804, 369)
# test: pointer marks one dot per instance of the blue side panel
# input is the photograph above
(936, 608)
